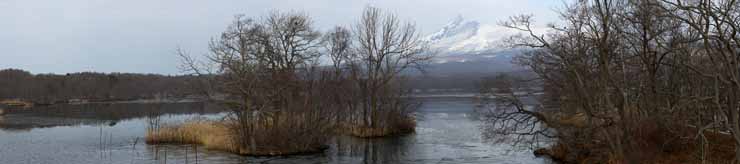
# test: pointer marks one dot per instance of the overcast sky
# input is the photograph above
(62, 36)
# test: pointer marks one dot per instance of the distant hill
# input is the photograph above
(466, 51)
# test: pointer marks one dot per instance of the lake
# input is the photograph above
(447, 132)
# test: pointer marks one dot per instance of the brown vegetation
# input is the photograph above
(17, 103)
(219, 135)
(284, 102)
(654, 147)
(92, 86)
(372, 70)
(652, 80)
(211, 134)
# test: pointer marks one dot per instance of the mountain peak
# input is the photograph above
(468, 46)
(462, 36)
(462, 43)
(458, 27)
(456, 21)
(469, 41)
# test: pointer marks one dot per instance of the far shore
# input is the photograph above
(21, 104)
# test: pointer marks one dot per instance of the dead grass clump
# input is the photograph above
(287, 135)
(211, 134)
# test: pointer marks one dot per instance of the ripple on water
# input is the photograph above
(446, 134)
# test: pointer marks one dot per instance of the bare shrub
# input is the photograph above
(383, 50)
(623, 79)
(266, 72)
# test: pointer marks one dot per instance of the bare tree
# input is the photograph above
(338, 46)
(267, 75)
(509, 116)
(716, 25)
(384, 49)
(634, 74)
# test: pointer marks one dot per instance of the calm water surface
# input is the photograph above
(447, 132)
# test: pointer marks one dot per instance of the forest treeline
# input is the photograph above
(628, 81)
(93, 86)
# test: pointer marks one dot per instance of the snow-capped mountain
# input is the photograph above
(465, 52)
(461, 37)
(464, 46)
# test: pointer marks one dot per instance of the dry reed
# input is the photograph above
(211, 134)
(286, 139)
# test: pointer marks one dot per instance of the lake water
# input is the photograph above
(447, 132)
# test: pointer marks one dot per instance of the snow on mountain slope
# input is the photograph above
(469, 47)
(464, 41)
(466, 51)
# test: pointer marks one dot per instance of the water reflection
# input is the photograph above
(372, 151)
(447, 132)
(95, 114)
